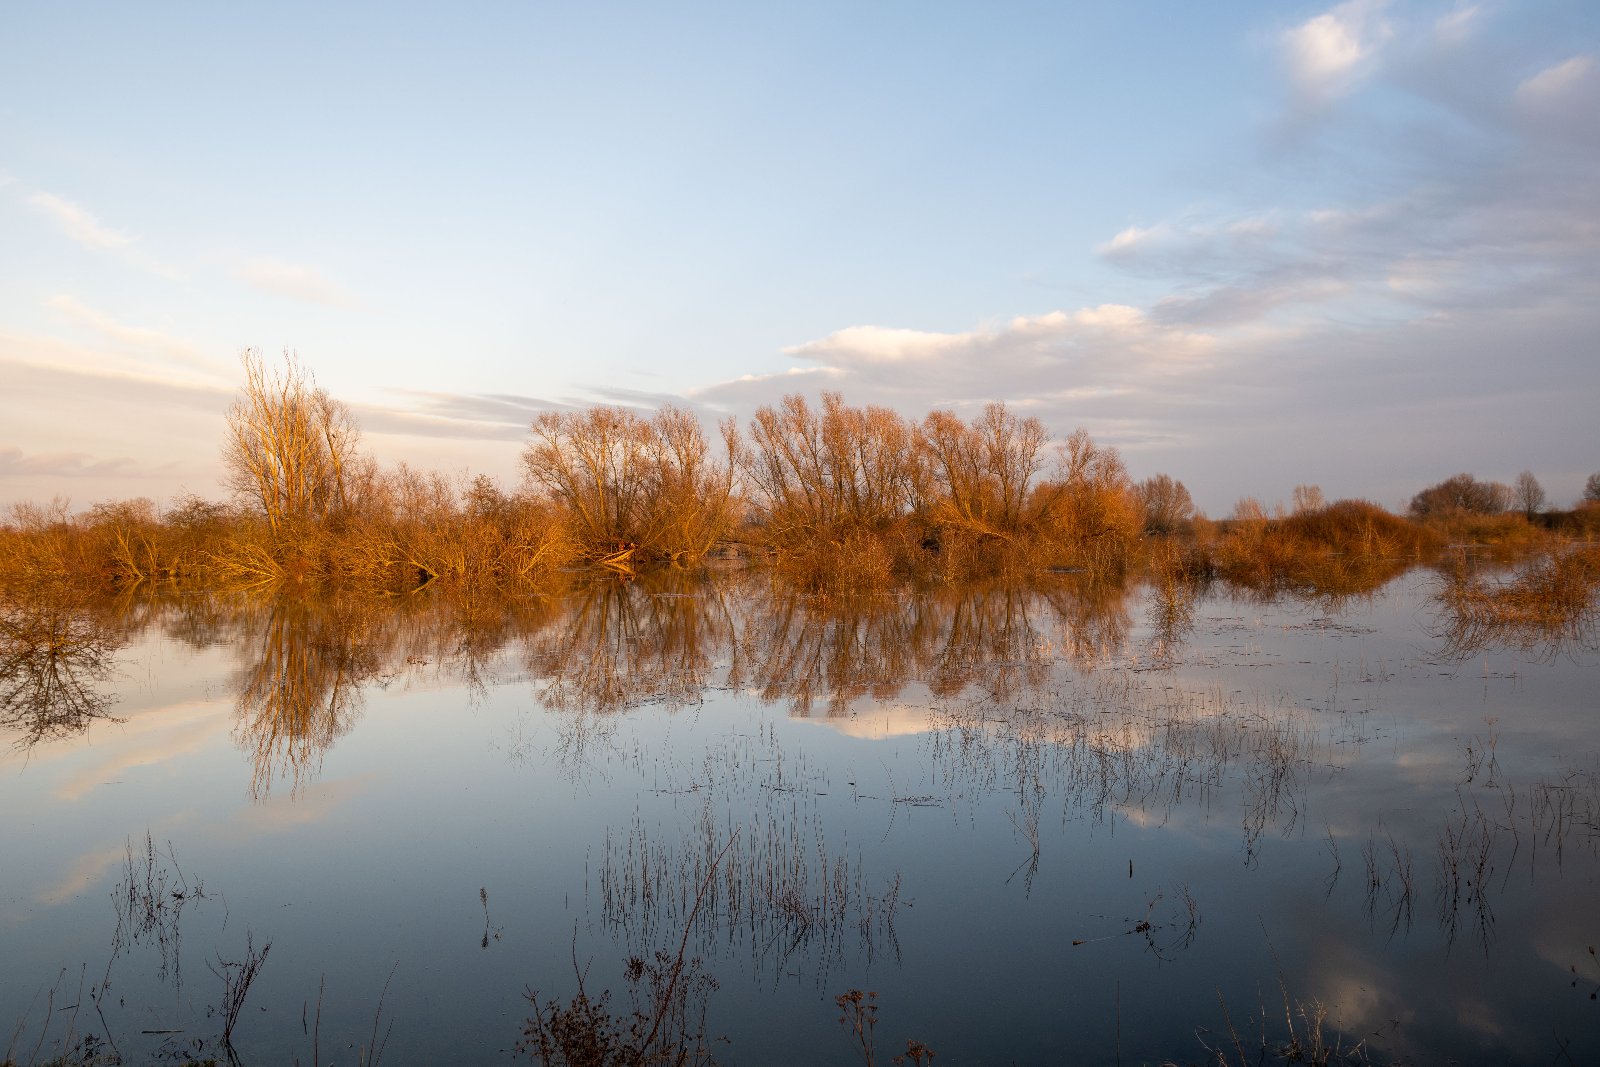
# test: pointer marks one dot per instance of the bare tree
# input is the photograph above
(982, 473)
(1527, 494)
(1091, 508)
(634, 488)
(1249, 510)
(1167, 503)
(814, 474)
(290, 448)
(1308, 498)
(1591, 488)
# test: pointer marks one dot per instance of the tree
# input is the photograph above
(818, 474)
(291, 449)
(1461, 493)
(1591, 488)
(1091, 508)
(1527, 494)
(981, 473)
(1308, 498)
(1167, 504)
(1249, 510)
(634, 488)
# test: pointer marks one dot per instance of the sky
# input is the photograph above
(1250, 245)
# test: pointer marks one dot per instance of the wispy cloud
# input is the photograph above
(82, 226)
(138, 338)
(14, 462)
(296, 281)
(1558, 81)
(79, 223)
(470, 416)
(1454, 27)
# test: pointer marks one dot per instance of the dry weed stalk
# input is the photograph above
(666, 1027)
(237, 976)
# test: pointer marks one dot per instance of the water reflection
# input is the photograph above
(1114, 747)
(56, 653)
(1549, 606)
(1002, 639)
(1047, 734)
(619, 644)
(301, 687)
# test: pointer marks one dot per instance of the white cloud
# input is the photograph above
(877, 344)
(1559, 82)
(295, 281)
(1109, 333)
(1134, 239)
(1094, 364)
(1326, 53)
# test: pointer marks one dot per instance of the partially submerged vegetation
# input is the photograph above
(1552, 603)
(1352, 546)
(837, 498)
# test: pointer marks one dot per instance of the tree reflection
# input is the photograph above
(55, 654)
(625, 643)
(1001, 638)
(301, 689)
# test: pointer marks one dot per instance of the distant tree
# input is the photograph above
(1308, 498)
(1167, 503)
(1461, 493)
(1527, 494)
(1249, 509)
(1591, 488)
(290, 448)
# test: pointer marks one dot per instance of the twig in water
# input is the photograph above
(236, 979)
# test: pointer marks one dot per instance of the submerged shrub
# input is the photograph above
(1350, 546)
(634, 489)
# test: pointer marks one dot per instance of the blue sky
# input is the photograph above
(1250, 245)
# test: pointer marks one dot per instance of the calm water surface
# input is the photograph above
(1042, 825)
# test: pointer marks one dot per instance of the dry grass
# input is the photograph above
(1347, 548)
(1549, 604)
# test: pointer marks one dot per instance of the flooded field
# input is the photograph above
(1061, 823)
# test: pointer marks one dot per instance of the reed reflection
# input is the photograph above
(56, 653)
(755, 867)
(1111, 746)
(1547, 607)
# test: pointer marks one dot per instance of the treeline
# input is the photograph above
(838, 497)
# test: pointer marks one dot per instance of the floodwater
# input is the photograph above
(1055, 824)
